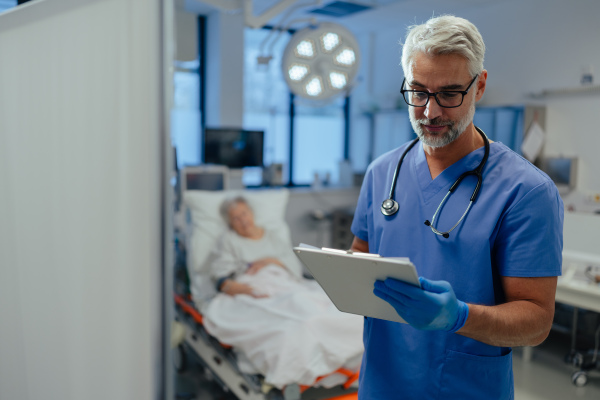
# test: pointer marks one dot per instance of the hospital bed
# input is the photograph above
(203, 227)
(222, 363)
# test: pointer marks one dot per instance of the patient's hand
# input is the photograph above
(234, 288)
(260, 264)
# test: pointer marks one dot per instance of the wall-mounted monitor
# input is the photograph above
(205, 177)
(563, 171)
(234, 148)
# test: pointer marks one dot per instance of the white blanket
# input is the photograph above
(293, 336)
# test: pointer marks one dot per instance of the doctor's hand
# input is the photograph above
(434, 306)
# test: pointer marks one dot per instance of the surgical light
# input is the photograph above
(314, 87)
(321, 62)
(330, 41)
(337, 80)
(305, 49)
(345, 57)
(298, 72)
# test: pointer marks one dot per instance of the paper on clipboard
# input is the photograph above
(348, 278)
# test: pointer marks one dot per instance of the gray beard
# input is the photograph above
(455, 129)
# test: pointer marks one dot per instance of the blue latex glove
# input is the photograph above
(434, 306)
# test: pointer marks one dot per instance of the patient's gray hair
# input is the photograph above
(228, 204)
(446, 34)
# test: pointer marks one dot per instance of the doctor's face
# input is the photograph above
(241, 219)
(437, 126)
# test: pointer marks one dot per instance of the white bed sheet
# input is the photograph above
(294, 335)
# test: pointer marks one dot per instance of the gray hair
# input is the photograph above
(446, 34)
(228, 204)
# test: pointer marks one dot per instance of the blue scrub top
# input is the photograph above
(513, 229)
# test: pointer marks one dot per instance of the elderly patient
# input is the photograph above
(282, 323)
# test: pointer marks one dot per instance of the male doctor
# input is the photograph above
(488, 256)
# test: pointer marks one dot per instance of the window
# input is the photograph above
(185, 115)
(7, 4)
(318, 142)
(187, 112)
(318, 130)
(266, 96)
(502, 124)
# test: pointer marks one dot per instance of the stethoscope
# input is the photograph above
(390, 206)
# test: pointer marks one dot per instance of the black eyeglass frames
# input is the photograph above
(445, 98)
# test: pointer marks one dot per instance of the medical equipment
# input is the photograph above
(204, 177)
(233, 147)
(579, 290)
(390, 206)
(563, 171)
(321, 62)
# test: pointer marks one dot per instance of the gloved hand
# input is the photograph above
(434, 306)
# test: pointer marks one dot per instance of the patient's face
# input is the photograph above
(241, 219)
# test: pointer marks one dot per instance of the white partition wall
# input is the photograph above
(80, 200)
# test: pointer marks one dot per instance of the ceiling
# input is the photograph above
(383, 13)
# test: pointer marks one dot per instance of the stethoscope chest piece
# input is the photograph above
(389, 207)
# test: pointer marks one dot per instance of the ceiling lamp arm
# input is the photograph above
(291, 10)
(258, 21)
(225, 5)
(311, 20)
(279, 28)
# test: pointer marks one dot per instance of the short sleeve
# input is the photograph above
(360, 225)
(530, 237)
(223, 261)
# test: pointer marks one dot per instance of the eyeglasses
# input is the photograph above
(445, 98)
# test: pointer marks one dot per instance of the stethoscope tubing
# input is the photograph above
(390, 206)
(397, 171)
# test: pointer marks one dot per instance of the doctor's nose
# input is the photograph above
(432, 109)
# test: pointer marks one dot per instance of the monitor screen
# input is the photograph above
(563, 171)
(205, 181)
(235, 148)
(559, 170)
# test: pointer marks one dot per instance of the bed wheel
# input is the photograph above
(274, 394)
(179, 359)
(579, 378)
(291, 392)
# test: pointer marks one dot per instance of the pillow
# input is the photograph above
(206, 226)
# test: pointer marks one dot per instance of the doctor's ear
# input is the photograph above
(481, 84)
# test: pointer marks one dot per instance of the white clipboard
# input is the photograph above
(348, 278)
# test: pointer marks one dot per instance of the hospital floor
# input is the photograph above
(544, 377)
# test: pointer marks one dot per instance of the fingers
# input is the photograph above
(252, 270)
(410, 295)
(415, 292)
(255, 267)
(388, 294)
(244, 288)
(406, 289)
(434, 286)
(387, 298)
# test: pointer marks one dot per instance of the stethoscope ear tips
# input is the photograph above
(427, 223)
(446, 235)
